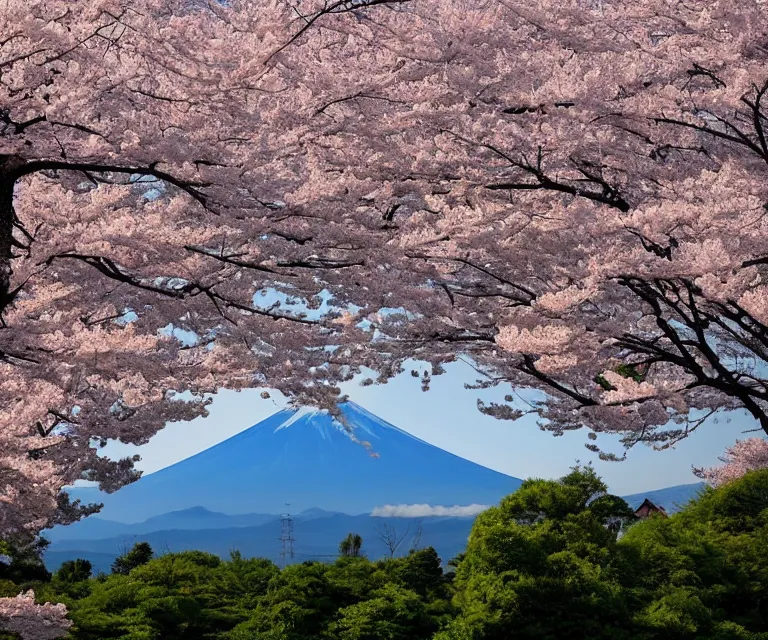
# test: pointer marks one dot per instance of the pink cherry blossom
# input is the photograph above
(33, 621)
(569, 195)
(746, 455)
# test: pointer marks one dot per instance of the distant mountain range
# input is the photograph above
(308, 459)
(95, 528)
(317, 537)
(317, 532)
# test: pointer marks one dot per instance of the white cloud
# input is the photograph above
(426, 510)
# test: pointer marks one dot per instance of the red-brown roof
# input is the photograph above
(649, 507)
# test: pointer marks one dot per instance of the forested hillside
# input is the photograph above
(544, 564)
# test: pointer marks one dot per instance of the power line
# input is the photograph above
(286, 536)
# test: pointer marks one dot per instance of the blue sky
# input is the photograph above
(447, 416)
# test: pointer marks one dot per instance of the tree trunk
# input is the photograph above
(6, 239)
(9, 173)
(756, 410)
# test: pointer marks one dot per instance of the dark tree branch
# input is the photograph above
(698, 70)
(528, 366)
(291, 238)
(356, 96)
(320, 263)
(758, 117)
(113, 271)
(190, 188)
(233, 258)
(340, 6)
(740, 138)
(607, 195)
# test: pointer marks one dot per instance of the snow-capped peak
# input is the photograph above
(349, 466)
(300, 414)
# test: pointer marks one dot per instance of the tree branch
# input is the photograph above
(190, 188)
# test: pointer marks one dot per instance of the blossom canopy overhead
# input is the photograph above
(570, 194)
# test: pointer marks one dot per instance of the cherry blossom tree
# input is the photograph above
(149, 151)
(744, 456)
(32, 621)
(571, 196)
(601, 232)
(151, 168)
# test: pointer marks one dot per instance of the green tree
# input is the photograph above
(140, 554)
(543, 565)
(74, 571)
(26, 567)
(173, 597)
(110, 611)
(420, 571)
(243, 582)
(300, 600)
(351, 546)
(353, 579)
(72, 577)
(393, 613)
(705, 570)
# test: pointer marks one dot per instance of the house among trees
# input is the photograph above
(648, 508)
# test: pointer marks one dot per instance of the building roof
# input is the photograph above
(651, 507)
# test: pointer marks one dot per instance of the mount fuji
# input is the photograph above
(308, 460)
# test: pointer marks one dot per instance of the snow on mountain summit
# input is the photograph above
(308, 459)
(304, 413)
(361, 422)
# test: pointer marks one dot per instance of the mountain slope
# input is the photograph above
(95, 528)
(307, 459)
(671, 498)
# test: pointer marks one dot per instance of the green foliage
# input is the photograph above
(392, 612)
(604, 384)
(26, 567)
(542, 565)
(74, 571)
(174, 596)
(624, 370)
(72, 578)
(419, 571)
(354, 579)
(139, 555)
(545, 564)
(705, 570)
(188, 595)
(244, 581)
(629, 371)
(608, 507)
(351, 546)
